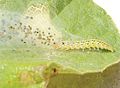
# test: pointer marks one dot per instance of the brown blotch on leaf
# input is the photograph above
(26, 78)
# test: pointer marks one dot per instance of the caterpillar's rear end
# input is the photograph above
(92, 44)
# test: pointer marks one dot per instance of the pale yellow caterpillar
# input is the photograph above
(91, 44)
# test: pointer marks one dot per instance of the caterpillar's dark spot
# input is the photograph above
(44, 43)
(24, 42)
(48, 28)
(11, 27)
(48, 44)
(20, 23)
(63, 43)
(98, 42)
(30, 27)
(43, 38)
(43, 33)
(50, 36)
(31, 17)
(93, 40)
(48, 39)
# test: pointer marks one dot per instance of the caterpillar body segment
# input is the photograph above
(92, 44)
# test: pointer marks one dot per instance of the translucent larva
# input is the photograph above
(91, 44)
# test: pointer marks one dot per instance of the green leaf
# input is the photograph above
(76, 20)
(85, 20)
(56, 6)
